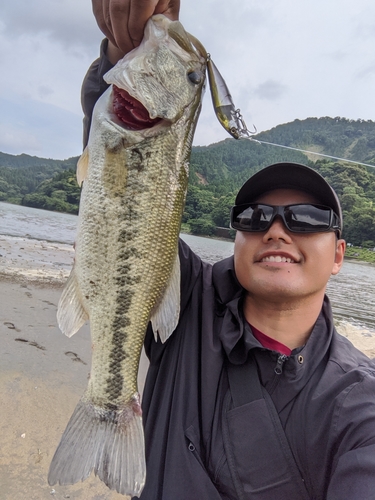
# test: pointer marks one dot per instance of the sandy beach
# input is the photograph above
(43, 373)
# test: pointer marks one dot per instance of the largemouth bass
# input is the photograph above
(126, 270)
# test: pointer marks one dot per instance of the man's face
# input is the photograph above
(277, 265)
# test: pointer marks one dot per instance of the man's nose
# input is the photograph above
(277, 231)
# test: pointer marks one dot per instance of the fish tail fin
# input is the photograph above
(108, 442)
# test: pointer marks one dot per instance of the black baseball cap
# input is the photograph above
(287, 175)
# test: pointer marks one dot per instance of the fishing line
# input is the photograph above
(310, 152)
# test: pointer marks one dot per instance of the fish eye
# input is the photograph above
(195, 77)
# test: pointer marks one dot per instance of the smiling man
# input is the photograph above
(284, 258)
(255, 396)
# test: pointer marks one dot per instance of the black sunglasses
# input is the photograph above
(298, 218)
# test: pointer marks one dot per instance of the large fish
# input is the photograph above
(126, 270)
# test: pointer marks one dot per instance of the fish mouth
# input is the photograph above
(131, 113)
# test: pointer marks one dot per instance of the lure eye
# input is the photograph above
(195, 77)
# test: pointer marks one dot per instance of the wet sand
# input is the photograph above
(43, 373)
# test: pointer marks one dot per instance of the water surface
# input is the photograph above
(352, 291)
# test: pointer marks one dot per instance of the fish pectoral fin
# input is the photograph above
(83, 166)
(165, 316)
(71, 314)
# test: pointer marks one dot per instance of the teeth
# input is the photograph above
(277, 258)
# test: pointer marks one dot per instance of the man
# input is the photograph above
(255, 395)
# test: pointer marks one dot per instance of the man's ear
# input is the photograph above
(339, 256)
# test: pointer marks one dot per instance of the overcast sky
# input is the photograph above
(281, 59)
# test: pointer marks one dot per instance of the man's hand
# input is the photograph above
(123, 21)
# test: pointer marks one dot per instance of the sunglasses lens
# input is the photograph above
(251, 218)
(307, 218)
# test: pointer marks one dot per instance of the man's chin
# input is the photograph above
(276, 291)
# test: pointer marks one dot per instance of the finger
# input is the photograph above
(100, 9)
(170, 8)
(119, 17)
(142, 10)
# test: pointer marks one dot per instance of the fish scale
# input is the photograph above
(126, 271)
(133, 304)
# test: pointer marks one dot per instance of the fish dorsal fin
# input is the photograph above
(83, 166)
(179, 35)
(165, 316)
(198, 45)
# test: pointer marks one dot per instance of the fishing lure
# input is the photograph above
(227, 114)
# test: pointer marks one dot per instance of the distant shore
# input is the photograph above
(360, 254)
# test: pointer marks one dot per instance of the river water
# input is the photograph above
(352, 291)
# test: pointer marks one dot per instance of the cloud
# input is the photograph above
(270, 90)
(68, 22)
(44, 91)
(34, 67)
(368, 71)
(33, 127)
(339, 55)
(365, 30)
(14, 139)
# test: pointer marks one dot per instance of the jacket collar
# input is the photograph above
(229, 294)
(226, 285)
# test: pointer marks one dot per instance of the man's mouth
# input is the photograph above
(277, 258)
(131, 112)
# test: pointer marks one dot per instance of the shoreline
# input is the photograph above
(353, 253)
(47, 248)
(349, 258)
(35, 260)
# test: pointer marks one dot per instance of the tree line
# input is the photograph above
(217, 171)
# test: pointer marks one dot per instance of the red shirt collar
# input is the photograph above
(270, 343)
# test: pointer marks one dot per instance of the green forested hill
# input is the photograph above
(24, 161)
(218, 170)
(354, 140)
(23, 174)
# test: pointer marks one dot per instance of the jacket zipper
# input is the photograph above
(278, 371)
(280, 364)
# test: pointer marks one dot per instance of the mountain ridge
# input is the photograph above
(218, 170)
